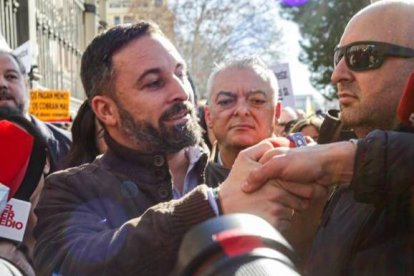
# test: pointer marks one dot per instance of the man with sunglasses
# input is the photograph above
(372, 63)
(373, 60)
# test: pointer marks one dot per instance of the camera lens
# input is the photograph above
(238, 244)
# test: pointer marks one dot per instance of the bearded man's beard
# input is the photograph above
(5, 94)
(166, 139)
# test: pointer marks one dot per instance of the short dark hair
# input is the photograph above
(16, 58)
(84, 148)
(96, 67)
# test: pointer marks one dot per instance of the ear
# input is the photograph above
(105, 110)
(278, 110)
(207, 117)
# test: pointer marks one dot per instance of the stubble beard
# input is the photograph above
(7, 95)
(166, 139)
(369, 116)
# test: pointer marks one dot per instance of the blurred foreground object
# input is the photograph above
(238, 244)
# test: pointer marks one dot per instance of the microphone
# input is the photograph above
(405, 110)
(16, 147)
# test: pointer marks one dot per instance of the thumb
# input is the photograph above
(262, 174)
(254, 182)
(257, 151)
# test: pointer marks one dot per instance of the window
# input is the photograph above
(117, 20)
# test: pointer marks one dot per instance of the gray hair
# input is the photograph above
(16, 58)
(251, 62)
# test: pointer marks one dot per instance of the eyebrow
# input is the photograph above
(13, 71)
(225, 93)
(146, 73)
(254, 92)
(157, 71)
(248, 94)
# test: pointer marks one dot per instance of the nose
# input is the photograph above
(180, 89)
(242, 108)
(3, 82)
(341, 73)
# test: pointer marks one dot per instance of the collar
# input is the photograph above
(133, 156)
(219, 161)
(127, 161)
(215, 156)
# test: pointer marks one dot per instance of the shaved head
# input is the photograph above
(369, 99)
(394, 20)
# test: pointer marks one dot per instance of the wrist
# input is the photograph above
(340, 163)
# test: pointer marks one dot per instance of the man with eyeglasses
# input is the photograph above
(373, 60)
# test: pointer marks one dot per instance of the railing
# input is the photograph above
(60, 39)
(8, 24)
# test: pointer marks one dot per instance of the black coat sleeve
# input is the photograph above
(384, 166)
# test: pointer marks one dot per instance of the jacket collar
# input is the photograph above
(127, 161)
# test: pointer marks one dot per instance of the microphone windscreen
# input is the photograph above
(15, 151)
(405, 110)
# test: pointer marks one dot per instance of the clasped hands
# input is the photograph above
(274, 182)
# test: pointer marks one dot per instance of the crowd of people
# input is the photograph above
(144, 164)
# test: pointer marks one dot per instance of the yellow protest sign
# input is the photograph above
(50, 105)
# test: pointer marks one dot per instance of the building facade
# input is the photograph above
(129, 11)
(57, 32)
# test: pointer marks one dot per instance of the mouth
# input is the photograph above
(182, 115)
(242, 127)
(6, 100)
(5, 97)
(346, 98)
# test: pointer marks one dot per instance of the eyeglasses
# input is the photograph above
(369, 55)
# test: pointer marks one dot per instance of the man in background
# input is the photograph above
(240, 111)
(287, 118)
(14, 93)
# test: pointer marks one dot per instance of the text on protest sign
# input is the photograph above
(50, 105)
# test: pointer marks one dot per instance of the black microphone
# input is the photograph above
(405, 110)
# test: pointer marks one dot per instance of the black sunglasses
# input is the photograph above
(369, 55)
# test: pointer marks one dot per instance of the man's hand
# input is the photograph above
(271, 202)
(323, 165)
